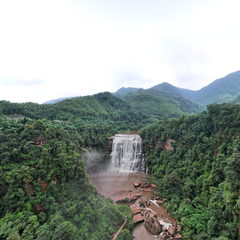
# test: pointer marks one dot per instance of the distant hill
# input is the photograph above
(101, 105)
(133, 111)
(95, 117)
(236, 100)
(56, 100)
(122, 92)
(225, 89)
(160, 101)
(167, 88)
(160, 104)
(221, 90)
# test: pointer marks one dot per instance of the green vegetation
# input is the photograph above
(221, 90)
(93, 117)
(122, 92)
(44, 190)
(236, 100)
(99, 116)
(200, 177)
(160, 105)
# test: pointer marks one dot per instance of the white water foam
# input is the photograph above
(127, 154)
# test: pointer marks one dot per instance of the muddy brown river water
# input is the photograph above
(115, 185)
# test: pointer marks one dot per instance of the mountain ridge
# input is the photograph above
(224, 89)
(221, 90)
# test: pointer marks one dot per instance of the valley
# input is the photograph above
(190, 151)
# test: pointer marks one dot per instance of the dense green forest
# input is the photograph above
(93, 117)
(44, 189)
(200, 176)
(101, 115)
(161, 104)
(221, 90)
(133, 111)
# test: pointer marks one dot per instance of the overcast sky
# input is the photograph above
(57, 48)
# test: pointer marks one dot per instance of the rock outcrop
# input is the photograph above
(152, 224)
(148, 209)
(137, 218)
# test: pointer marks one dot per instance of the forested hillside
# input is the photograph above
(44, 189)
(94, 117)
(99, 105)
(159, 104)
(101, 115)
(45, 193)
(122, 92)
(199, 173)
(221, 90)
(224, 89)
(236, 100)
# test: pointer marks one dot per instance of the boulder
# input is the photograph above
(128, 198)
(144, 202)
(136, 184)
(163, 235)
(160, 202)
(145, 189)
(179, 228)
(153, 225)
(136, 210)
(137, 218)
(171, 230)
(149, 214)
(178, 236)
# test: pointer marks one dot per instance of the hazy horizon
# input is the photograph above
(51, 49)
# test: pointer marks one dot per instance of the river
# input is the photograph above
(117, 181)
(116, 186)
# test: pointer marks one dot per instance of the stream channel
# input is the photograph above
(118, 181)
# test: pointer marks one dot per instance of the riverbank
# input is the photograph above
(132, 188)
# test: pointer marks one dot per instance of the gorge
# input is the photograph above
(125, 182)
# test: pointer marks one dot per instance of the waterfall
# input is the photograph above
(127, 153)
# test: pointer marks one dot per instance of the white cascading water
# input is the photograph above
(127, 153)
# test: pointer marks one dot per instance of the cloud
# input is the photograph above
(51, 49)
(128, 78)
(187, 62)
